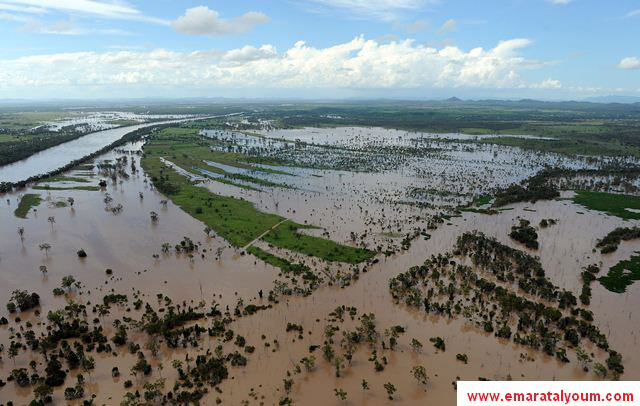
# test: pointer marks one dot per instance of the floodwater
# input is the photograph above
(60, 155)
(341, 202)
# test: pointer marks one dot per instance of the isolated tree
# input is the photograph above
(51, 220)
(68, 282)
(45, 247)
(416, 345)
(21, 233)
(43, 269)
(102, 310)
(88, 364)
(420, 373)
(390, 388)
(13, 351)
(338, 363)
(152, 345)
(309, 363)
(208, 230)
(365, 385)
(340, 394)
(154, 216)
(71, 201)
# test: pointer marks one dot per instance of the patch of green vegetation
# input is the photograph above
(536, 187)
(621, 275)
(123, 122)
(66, 179)
(60, 204)
(482, 200)
(611, 203)
(7, 138)
(85, 188)
(29, 119)
(524, 233)
(479, 211)
(238, 221)
(612, 240)
(84, 167)
(565, 146)
(185, 148)
(27, 202)
(276, 261)
(187, 141)
(235, 220)
(286, 235)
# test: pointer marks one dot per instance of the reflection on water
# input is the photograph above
(60, 155)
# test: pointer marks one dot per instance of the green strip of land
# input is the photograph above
(66, 179)
(276, 261)
(286, 235)
(86, 188)
(238, 221)
(27, 202)
(611, 203)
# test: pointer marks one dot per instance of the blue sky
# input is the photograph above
(552, 49)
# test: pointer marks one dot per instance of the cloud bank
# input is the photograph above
(358, 64)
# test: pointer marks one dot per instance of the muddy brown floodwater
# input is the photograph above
(129, 243)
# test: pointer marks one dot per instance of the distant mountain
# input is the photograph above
(613, 99)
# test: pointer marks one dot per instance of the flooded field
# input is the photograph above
(58, 156)
(274, 253)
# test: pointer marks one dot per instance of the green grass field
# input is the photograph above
(65, 179)
(27, 202)
(239, 222)
(85, 188)
(286, 235)
(185, 148)
(276, 261)
(610, 203)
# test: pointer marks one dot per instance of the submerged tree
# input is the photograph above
(420, 373)
(45, 247)
(340, 394)
(390, 388)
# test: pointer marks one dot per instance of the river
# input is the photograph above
(60, 155)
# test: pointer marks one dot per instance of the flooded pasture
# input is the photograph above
(394, 192)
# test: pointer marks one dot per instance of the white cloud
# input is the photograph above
(65, 27)
(202, 20)
(358, 64)
(561, 2)
(114, 10)
(547, 84)
(634, 13)
(379, 9)
(448, 26)
(416, 26)
(22, 9)
(630, 63)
